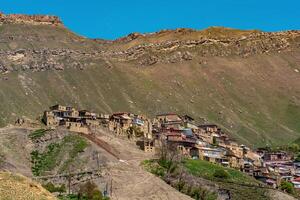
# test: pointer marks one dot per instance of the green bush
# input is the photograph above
(287, 187)
(90, 191)
(97, 195)
(165, 163)
(158, 171)
(297, 159)
(52, 188)
(180, 185)
(221, 173)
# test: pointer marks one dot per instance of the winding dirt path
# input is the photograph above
(130, 181)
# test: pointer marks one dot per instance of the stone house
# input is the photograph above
(90, 122)
(189, 122)
(59, 107)
(233, 160)
(130, 124)
(211, 128)
(169, 120)
(183, 139)
(233, 147)
(69, 117)
(149, 146)
(276, 157)
(120, 122)
(87, 114)
(256, 158)
(168, 117)
(296, 183)
(75, 126)
(212, 154)
(50, 119)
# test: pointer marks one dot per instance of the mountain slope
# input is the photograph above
(246, 81)
(17, 187)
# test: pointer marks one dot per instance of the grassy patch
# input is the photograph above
(55, 153)
(207, 170)
(37, 134)
(239, 192)
(159, 168)
(154, 168)
(240, 185)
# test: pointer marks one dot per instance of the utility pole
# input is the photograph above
(96, 157)
(111, 187)
(69, 180)
(69, 183)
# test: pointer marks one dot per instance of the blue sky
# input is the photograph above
(110, 19)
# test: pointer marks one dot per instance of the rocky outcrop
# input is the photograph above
(171, 51)
(29, 19)
(42, 59)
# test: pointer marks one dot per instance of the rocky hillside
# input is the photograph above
(246, 81)
(29, 19)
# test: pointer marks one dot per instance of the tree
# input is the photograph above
(61, 189)
(97, 195)
(294, 148)
(287, 187)
(134, 131)
(91, 191)
(50, 187)
(215, 141)
(221, 173)
(297, 159)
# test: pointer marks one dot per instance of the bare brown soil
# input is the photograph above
(130, 180)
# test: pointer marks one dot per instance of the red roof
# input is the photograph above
(297, 179)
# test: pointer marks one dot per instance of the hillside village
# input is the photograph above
(206, 141)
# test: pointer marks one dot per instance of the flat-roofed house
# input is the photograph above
(209, 127)
(58, 107)
(50, 119)
(212, 154)
(189, 122)
(75, 126)
(87, 114)
(234, 160)
(296, 183)
(120, 122)
(276, 157)
(233, 147)
(169, 120)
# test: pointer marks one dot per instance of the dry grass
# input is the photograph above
(17, 187)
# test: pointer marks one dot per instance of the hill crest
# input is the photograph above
(29, 19)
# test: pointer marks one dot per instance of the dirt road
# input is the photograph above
(130, 180)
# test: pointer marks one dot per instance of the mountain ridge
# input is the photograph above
(29, 19)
